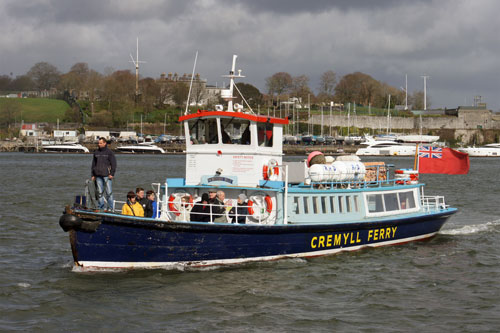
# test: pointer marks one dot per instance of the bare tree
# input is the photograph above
(327, 83)
(9, 110)
(279, 83)
(44, 75)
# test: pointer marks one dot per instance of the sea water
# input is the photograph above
(449, 283)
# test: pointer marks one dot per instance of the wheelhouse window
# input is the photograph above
(406, 200)
(391, 202)
(265, 134)
(235, 130)
(203, 131)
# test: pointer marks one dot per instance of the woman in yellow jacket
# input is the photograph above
(132, 207)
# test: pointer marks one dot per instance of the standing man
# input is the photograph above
(103, 172)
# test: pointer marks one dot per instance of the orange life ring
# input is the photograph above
(171, 202)
(270, 170)
(267, 200)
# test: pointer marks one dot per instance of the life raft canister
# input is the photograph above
(271, 170)
(406, 176)
(175, 199)
(257, 202)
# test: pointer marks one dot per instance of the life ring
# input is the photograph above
(175, 199)
(271, 170)
(406, 176)
(259, 202)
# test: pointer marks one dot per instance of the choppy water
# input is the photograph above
(450, 283)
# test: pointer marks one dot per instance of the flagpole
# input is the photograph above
(415, 162)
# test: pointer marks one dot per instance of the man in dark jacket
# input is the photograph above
(103, 171)
(146, 205)
(201, 210)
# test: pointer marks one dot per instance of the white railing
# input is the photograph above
(433, 203)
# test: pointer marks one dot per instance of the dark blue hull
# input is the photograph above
(117, 242)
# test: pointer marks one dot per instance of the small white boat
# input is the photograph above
(65, 148)
(371, 147)
(489, 150)
(141, 149)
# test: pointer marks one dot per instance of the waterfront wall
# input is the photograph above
(467, 126)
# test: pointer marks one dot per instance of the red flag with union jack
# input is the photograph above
(442, 160)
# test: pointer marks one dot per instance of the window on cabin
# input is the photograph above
(306, 206)
(324, 210)
(315, 205)
(235, 130)
(341, 204)
(348, 204)
(203, 131)
(332, 204)
(391, 201)
(296, 204)
(406, 200)
(356, 203)
(375, 203)
(265, 134)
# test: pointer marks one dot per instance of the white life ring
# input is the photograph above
(174, 202)
(260, 207)
(271, 170)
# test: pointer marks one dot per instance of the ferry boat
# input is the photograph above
(489, 150)
(307, 208)
(141, 149)
(65, 148)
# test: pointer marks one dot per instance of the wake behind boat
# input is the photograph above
(309, 208)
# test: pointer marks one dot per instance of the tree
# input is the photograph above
(251, 93)
(5, 82)
(150, 94)
(279, 83)
(9, 111)
(327, 83)
(44, 75)
(358, 87)
(300, 87)
(417, 100)
(179, 92)
(22, 83)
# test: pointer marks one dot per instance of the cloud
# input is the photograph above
(455, 42)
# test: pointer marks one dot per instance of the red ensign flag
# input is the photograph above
(442, 160)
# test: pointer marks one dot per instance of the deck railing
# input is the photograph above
(433, 203)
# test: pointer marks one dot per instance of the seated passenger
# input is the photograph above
(184, 209)
(240, 209)
(132, 207)
(219, 208)
(201, 210)
(152, 206)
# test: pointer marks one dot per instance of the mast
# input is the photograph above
(388, 114)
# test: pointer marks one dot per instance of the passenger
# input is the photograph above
(241, 208)
(143, 201)
(132, 207)
(152, 206)
(103, 171)
(219, 208)
(184, 209)
(212, 194)
(201, 210)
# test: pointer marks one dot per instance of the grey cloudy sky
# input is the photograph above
(455, 42)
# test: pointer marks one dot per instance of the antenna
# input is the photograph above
(425, 77)
(136, 63)
(405, 89)
(191, 84)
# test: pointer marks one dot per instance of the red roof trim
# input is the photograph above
(252, 117)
